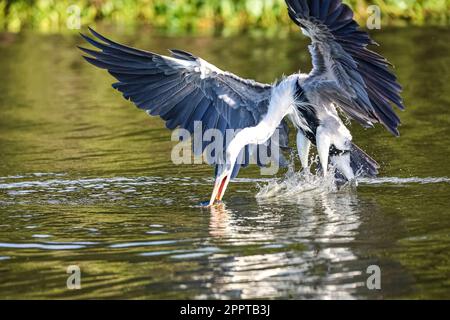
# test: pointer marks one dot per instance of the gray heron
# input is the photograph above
(348, 79)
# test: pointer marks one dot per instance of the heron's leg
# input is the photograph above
(323, 143)
(303, 146)
(342, 163)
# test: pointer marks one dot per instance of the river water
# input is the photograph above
(86, 179)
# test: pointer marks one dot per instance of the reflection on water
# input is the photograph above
(284, 266)
(86, 179)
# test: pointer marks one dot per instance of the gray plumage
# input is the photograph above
(183, 89)
(367, 88)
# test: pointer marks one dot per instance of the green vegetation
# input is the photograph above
(198, 16)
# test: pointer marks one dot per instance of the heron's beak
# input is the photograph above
(220, 186)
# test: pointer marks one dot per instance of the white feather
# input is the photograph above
(281, 103)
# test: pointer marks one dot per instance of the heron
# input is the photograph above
(348, 81)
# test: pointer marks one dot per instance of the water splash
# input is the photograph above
(295, 184)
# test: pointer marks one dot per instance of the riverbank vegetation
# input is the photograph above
(197, 16)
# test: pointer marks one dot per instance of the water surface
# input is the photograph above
(86, 179)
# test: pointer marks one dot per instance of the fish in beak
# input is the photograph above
(220, 186)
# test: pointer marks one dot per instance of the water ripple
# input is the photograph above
(401, 181)
(45, 246)
(143, 244)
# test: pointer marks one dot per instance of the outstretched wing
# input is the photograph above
(340, 54)
(182, 89)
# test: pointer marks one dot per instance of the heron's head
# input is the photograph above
(226, 170)
(221, 184)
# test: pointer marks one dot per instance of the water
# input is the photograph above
(86, 179)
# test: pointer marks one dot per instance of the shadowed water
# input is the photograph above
(86, 179)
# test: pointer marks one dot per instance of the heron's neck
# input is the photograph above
(282, 100)
(281, 103)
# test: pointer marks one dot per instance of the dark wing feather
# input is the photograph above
(339, 48)
(182, 89)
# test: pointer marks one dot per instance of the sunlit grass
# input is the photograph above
(198, 16)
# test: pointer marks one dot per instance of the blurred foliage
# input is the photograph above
(199, 16)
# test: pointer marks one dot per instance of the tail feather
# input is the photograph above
(362, 164)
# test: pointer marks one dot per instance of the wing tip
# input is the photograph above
(86, 50)
(85, 37)
(99, 36)
(393, 129)
(94, 33)
(184, 55)
(89, 59)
